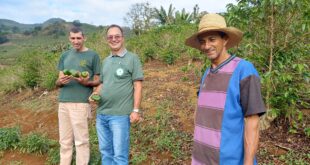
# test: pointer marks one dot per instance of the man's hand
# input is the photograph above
(90, 97)
(63, 80)
(134, 117)
(82, 80)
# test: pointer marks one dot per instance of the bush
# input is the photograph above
(3, 39)
(10, 79)
(53, 157)
(39, 69)
(9, 137)
(31, 63)
(48, 73)
(165, 43)
(34, 143)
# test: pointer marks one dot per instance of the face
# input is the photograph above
(212, 45)
(77, 40)
(115, 39)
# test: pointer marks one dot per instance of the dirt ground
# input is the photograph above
(35, 111)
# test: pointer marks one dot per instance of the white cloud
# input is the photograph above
(98, 12)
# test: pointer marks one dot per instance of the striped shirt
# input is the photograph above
(227, 94)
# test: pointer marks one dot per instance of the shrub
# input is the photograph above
(31, 63)
(49, 73)
(34, 143)
(10, 79)
(9, 137)
(53, 156)
(3, 39)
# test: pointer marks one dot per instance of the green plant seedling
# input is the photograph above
(84, 74)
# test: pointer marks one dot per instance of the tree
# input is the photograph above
(15, 29)
(140, 17)
(36, 30)
(3, 39)
(77, 23)
(276, 34)
(171, 16)
(183, 17)
(165, 18)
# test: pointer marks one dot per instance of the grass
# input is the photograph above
(18, 45)
(159, 134)
(290, 158)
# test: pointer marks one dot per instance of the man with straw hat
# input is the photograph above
(229, 102)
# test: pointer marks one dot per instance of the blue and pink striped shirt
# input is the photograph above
(227, 94)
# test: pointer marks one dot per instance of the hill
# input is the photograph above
(10, 27)
(13, 26)
(52, 21)
(16, 38)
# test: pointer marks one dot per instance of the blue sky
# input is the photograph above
(96, 12)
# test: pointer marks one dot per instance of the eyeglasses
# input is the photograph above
(73, 38)
(116, 37)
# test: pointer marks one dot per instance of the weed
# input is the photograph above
(160, 134)
(34, 143)
(9, 137)
(295, 158)
(53, 156)
(184, 79)
(307, 131)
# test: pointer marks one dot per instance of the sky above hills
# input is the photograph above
(96, 12)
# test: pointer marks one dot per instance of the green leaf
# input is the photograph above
(303, 27)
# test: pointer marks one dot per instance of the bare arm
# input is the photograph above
(91, 83)
(137, 94)
(135, 117)
(251, 138)
(97, 89)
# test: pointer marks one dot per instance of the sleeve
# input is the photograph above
(137, 73)
(61, 66)
(250, 95)
(96, 64)
(101, 71)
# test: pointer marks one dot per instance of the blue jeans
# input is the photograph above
(113, 135)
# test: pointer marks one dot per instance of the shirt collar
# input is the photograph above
(122, 54)
(215, 70)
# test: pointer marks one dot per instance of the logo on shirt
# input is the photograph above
(83, 63)
(119, 72)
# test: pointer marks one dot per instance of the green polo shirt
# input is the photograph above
(80, 61)
(117, 75)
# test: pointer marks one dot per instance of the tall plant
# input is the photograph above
(275, 39)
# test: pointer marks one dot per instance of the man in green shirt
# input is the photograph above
(74, 108)
(121, 79)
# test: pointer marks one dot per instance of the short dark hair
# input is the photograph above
(115, 26)
(75, 29)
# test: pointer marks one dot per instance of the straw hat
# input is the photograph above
(215, 22)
